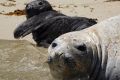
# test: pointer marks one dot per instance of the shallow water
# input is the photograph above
(21, 60)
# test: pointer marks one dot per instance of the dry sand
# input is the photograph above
(99, 9)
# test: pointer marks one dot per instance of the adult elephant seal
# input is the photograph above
(90, 54)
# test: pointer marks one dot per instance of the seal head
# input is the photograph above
(73, 56)
(36, 7)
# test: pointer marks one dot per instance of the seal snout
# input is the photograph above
(55, 58)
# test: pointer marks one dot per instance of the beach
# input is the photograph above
(97, 9)
(23, 60)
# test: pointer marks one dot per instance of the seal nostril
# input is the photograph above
(54, 45)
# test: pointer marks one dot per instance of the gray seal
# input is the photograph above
(89, 54)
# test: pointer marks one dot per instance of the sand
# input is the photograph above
(99, 9)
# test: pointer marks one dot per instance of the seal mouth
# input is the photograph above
(61, 60)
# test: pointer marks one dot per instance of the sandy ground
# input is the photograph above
(99, 9)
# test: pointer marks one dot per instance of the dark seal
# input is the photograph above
(46, 24)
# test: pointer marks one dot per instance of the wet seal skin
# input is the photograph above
(46, 24)
(89, 54)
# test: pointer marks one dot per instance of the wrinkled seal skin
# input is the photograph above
(46, 24)
(89, 54)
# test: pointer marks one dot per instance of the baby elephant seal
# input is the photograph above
(46, 24)
(89, 54)
(36, 7)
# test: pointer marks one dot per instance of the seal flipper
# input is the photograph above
(27, 26)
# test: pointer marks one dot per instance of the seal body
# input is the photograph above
(46, 24)
(89, 54)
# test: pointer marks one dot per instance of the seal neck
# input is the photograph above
(97, 57)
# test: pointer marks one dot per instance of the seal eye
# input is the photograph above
(40, 3)
(81, 47)
(54, 45)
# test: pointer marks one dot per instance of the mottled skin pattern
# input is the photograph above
(89, 54)
(46, 24)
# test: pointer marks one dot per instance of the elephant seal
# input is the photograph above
(89, 54)
(46, 24)
(36, 7)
